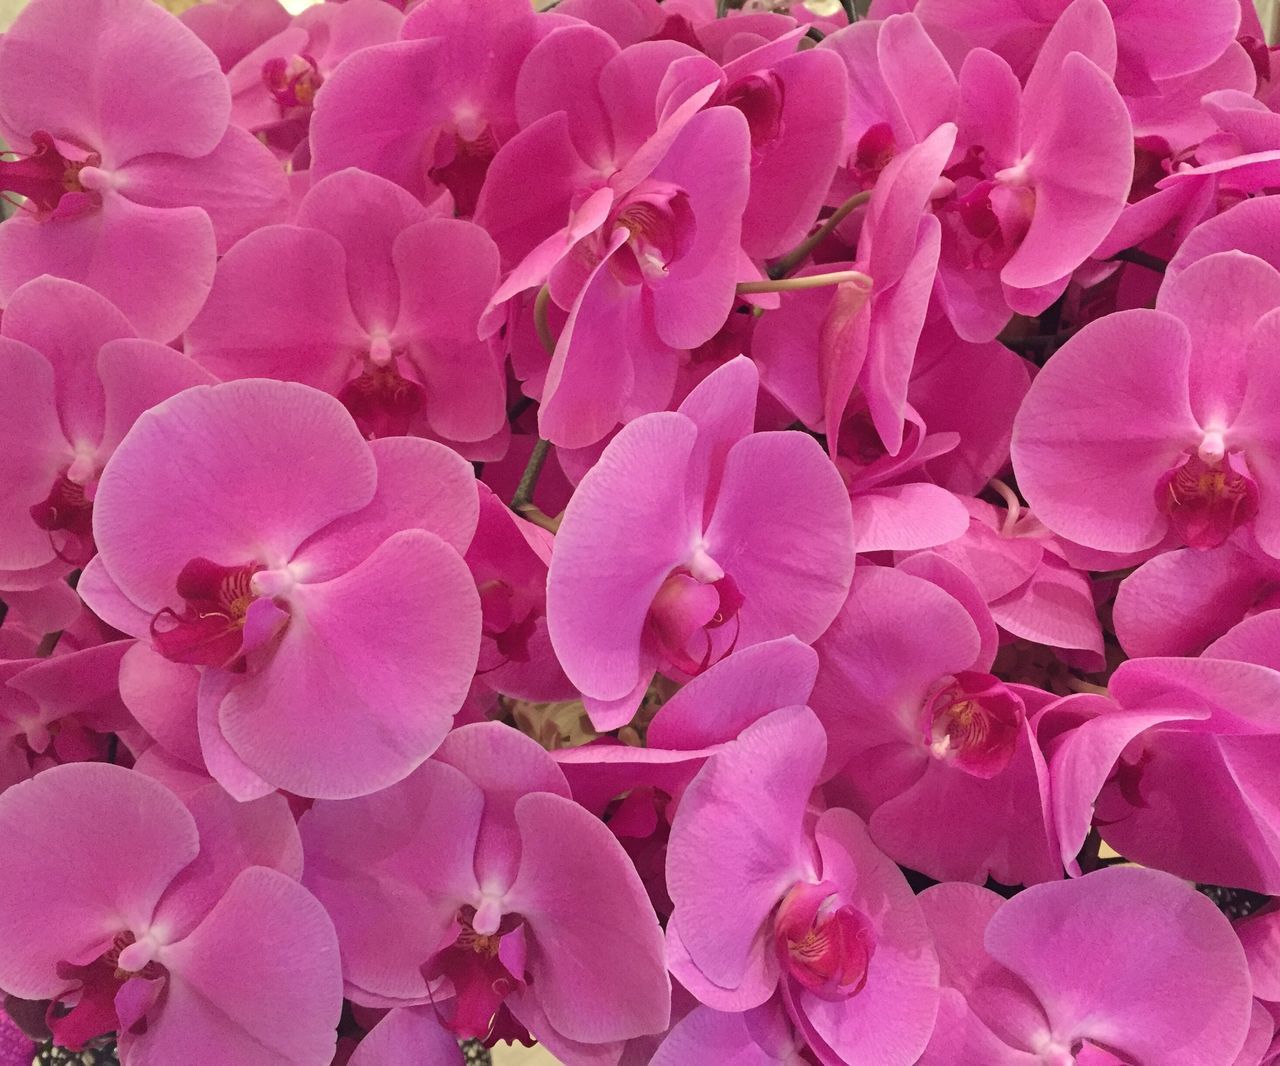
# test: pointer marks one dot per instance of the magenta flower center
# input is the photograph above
(68, 511)
(293, 82)
(974, 721)
(873, 153)
(686, 612)
(1206, 500)
(383, 402)
(94, 1013)
(45, 176)
(824, 945)
(209, 629)
(460, 165)
(760, 98)
(660, 230)
(986, 214)
(474, 965)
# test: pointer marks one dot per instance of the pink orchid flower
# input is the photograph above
(1182, 601)
(274, 86)
(134, 180)
(509, 559)
(1157, 427)
(370, 298)
(181, 927)
(635, 228)
(766, 897)
(73, 378)
(59, 710)
(926, 744)
(863, 339)
(1179, 750)
(430, 111)
(690, 537)
(1035, 185)
(1150, 38)
(485, 883)
(1052, 975)
(901, 89)
(282, 554)
(793, 102)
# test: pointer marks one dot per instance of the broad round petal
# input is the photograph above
(121, 838)
(1124, 997)
(596, 952)
(250, 469)
(1102, 423)
(365, 682)
(783, 530)
(258, 982)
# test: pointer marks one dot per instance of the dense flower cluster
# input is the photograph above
(671, 533)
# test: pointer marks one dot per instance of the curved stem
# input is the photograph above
(811, 281)
(1011, 502)
(540, 319)
(1142, 259)
(1079, 684)
(529, 479)
(801, 251)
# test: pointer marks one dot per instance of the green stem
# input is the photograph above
(810, 281)
(529, 479)
(801, 251)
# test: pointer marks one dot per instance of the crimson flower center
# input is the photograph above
(824, 945)
(1206, 500)
(45, 175)
(660, 229)
(973, 720)
(293, 82)
(209, 630)
(383, 402)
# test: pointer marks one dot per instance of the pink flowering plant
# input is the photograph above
(675, 531)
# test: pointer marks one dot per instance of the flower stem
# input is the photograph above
(801, 251)
(540, 319)
(1142, 259)
(810, 281)
(529, 479)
